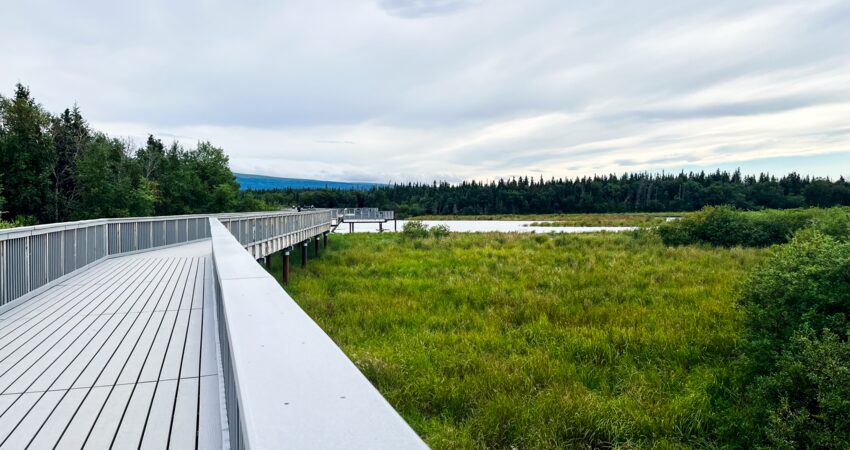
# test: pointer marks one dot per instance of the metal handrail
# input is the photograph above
(366, 214)
(33, 257)
(286, 383)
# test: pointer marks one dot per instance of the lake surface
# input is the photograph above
(481, 226)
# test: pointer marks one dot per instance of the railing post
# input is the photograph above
(3, 284)
(285, 275)
(27, 262)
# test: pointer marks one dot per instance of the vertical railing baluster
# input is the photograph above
(4, 286)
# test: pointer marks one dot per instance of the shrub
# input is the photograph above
(725, 226)
(795, 369)
(414, 229)
(807, 282)
(806, 401)
(439, 231)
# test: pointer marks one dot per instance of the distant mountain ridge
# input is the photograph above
(262, 182)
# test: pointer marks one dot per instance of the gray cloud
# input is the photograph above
(447, 89)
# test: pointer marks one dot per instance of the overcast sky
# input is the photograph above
(397, 90)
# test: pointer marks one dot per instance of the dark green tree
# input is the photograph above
(109, 182)
(70, 135)
(26, 157)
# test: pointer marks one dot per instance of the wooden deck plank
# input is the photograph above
(183, 431)
(160, 415)
(114, 354)
(174, 354)
(191, 364)
(113, 367)
(133, 423)
(52, 354)
(59, 355)
(47, 299)
(77, 430)
(30, 328)
(53, 426)
(112, 409)
(45, 328)
(31, 423)
(16, 407)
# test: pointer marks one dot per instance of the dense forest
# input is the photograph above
(638, 192)
(56, 167)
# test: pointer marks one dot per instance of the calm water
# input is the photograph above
(466, 226)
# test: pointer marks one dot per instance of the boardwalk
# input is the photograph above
(121, 355)
(164, 332)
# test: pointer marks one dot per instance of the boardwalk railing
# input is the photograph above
(33, 257)
(365, 214)
(265, 233)
(286, 384)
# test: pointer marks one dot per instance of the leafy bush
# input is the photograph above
(439, 231)
(414, 229)
(728, 227)
(795, 372)
(806, 401)
(807, 282)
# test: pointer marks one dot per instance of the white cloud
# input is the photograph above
(448, 89)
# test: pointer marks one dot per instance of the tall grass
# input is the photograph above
(535, 341)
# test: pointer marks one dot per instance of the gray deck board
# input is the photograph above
(113, 356)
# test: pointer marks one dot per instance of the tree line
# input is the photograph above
(55, 168)
(635, 192)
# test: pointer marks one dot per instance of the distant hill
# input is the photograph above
(261, 182)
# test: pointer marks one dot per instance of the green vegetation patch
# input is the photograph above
(728, 227)
(535, 341)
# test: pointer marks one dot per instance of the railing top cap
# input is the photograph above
(14, 233)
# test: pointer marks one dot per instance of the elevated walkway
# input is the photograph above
(166, 333)
(121, 355)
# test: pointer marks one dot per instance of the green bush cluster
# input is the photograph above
(416, 229)
(728, 227)
(795, 370)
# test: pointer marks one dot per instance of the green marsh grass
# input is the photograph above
(534, 341)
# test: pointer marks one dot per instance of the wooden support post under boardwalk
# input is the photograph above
(316, 246)
(395, 225)
(325, 238)
(285, 276)
(268, 261)
(304, 254)
(380, 227)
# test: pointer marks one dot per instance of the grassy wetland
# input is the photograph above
(535, 341)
